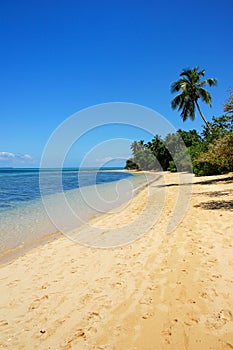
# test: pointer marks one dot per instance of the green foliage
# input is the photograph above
(190, 137)
(160, 151)
(215, 155)
(131, 165)
(146, 160)
(180, 156)
(210, 153)
(168, 154)
(143, 157)
(228, 106)
(219, 156)
(190, 88)
(219, 127)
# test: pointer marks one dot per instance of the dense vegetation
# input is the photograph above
(207, 153)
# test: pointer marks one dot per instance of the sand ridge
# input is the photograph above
(163, 291)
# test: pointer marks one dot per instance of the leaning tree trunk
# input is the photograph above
(201, 114)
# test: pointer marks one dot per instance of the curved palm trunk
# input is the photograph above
(201, 114)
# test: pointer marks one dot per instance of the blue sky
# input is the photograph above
(58, 57)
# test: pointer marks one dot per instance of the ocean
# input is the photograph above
(37, 203)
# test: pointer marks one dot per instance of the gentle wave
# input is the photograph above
(21, 185)
(29, 221)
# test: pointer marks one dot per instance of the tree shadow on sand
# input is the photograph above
(212, 205)
(215, 193)
(218, 203)
(225, 180)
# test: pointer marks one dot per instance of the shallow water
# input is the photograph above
(25, 217)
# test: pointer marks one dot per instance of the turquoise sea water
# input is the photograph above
(26, 217)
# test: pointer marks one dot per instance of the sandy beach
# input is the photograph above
(161, 291)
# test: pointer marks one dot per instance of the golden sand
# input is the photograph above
(162, 291)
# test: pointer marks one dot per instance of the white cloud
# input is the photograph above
(27, 156)
(6, 155)
(9, 158)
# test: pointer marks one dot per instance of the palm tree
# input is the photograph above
(228, 106)
(137, 146)
(191, 89)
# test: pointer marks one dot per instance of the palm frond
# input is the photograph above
(209, 81)
(190, 88)
(188, 110)
(177, 101)
(201, 73)
(186, 72)
(179, 85)
(192, 74)
(205, 96)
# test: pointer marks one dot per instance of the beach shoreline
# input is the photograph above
(162, 291)
(13, 252)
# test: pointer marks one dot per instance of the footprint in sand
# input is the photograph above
(79, 334)
(44, 286)
(117, 284)
(36, 303)
(217, 276)
(148, 315)
(121, 265)
(204, 295)
(102, 279)
(226, 314)
(146, 301)
(93, 315)
(191, 301)
(212, 260)
(220, 319)
(104, 302)
(167, 333)
(119, 330)
(191, 319)
(13, 283)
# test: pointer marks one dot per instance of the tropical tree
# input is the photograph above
(219, 126)
(137, 146)
(219, 157)
(228, 106)
(131, 165)
(191, 90)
